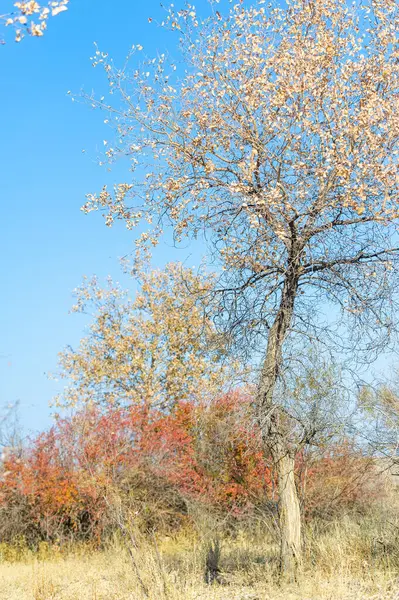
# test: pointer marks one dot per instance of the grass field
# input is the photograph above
(104, 577)
(349, 560)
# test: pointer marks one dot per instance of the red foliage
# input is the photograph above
(206, 453)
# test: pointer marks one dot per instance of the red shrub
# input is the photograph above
(207, 453)
(60, 486)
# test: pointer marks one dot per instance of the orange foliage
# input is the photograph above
(205, 453)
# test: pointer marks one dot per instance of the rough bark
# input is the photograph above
(290, 519)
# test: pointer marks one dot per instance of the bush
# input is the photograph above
(338, 480)
(156, 466)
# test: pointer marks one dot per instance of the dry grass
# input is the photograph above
(345, 560)
(109, 577)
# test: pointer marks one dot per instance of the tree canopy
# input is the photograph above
(153, 351)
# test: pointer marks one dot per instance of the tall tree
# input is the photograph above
(278, 142)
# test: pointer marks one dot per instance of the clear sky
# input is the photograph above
(46, 243)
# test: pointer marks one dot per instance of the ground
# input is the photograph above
(172, 570)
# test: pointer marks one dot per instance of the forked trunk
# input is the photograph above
(289, 519)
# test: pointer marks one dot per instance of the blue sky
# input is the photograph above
(46, 243)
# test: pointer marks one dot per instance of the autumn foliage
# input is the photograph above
(273, 137)
(59, 487)
(61, 483)
(158, 429)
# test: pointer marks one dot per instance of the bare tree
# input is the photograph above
(10, 430)
(278, 144)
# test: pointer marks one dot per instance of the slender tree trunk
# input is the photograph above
(290, 519)
(273, 430)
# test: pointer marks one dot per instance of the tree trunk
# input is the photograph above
(273, 429)
(290, 519)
